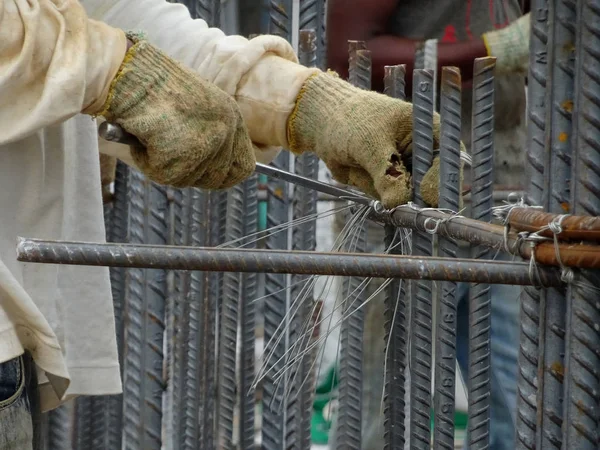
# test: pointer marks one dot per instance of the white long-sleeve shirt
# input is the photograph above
(54, 63)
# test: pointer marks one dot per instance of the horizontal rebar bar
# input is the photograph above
(586, 228)
(492, 236)
(282, 261)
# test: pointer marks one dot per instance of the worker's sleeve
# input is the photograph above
(54, 63)
(261, 73)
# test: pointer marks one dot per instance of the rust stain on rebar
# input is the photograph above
(558, 369)
(567, 106)
(563, 137)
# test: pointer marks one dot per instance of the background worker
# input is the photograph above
(458, 31)
(203, 123)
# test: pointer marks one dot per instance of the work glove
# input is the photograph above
(192, 132)
(108, 168)
(365, 138)
(510, 45)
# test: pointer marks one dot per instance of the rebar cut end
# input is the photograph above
(21, 247)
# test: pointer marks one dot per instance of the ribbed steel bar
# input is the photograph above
(557, 173)
(395, 310)
(204, 318)
(107, 411)
(232, 297)
(209, 322)
(585, 228)
(421, 290)
(209, 10)
(283, 261)
(349, 425)
(445, 330)
(275, 308)
(490, 235)
(582, 383)
(480, 309)
(182, 219)
(312, 17)
(83, 436)
(143, 382)
(527, 381)
(59, 428)
(247, 324)
(304, 238)
(274, 409)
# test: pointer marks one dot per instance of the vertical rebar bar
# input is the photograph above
(208, 225)
(232, 297)
(445, 330)
(480, 307)
(275, 411)
(209, 320)
(209, 10)
(275, 309)
(304, 238)
(421, 291)
(582, 384)
(349, 425)
(143, 383)
(83, 435)
(529, 341)
(395, 311)
(559, 105)
(59, 428)
(247, 318)
(312, 17)
(107, 411)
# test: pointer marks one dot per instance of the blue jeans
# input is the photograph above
(19, 405)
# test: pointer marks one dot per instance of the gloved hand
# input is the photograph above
(108, 168)
(510, 45)
(192, 131)
(365, 138)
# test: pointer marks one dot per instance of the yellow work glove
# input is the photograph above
(108, 168)
(510, 45)
(193, 132)
(365, 138)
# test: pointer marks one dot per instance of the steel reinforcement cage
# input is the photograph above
(186, 317)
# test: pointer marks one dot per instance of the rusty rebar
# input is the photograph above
(492, 236)
(281, 261)
(584, 228)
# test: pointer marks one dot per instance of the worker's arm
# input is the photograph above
(366, 20)
(54, 63)
(261, 73)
